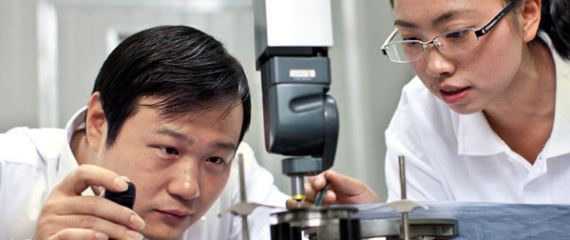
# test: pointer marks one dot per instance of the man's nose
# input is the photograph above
(186, 183)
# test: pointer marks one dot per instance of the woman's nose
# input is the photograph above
(438, 65)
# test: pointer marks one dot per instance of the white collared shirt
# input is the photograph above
(33, 161)
(454, 157)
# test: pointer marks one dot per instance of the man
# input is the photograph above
(168, 111)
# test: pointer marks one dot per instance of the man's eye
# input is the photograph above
(169, 150)
(216, 160)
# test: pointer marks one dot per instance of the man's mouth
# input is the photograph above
(175, 214)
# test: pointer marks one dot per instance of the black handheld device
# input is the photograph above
(125, 198)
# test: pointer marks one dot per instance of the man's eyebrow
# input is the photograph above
(224, 145)
(441, 19)
(173, 134)
(179, 136)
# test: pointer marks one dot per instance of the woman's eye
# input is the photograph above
(411, 39)
(457, 34)
(216, 160)
(169, 150)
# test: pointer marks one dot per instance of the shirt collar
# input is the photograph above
(559, 141)
(475, 136)
(67, 161)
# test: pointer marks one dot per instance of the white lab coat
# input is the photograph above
(457, 157)
(33, 161)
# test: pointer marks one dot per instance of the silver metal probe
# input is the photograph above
(243, 197)
(298, 188)
(405, 220)
(320, 198)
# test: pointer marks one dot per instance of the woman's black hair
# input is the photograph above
(555, 21)
(184, 67)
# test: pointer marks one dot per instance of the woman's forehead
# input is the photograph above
(413, 13)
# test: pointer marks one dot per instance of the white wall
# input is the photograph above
(18, 78)
(365, 84)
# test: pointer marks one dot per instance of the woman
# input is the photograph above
(487, 119)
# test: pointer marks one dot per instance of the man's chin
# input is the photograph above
(163, 231)
(158, 235)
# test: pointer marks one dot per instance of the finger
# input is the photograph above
(110, 229)
(97, 207)
(345, 185)
(318, 182)
(330, 198)
(90, 175)
(79, 234)
(310, 193)
(100, 191)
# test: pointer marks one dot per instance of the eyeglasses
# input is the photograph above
(455, 41)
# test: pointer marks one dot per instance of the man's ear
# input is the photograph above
(530, 18)
(95, 123)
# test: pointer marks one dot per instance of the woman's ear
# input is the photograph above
(95, 123)
(530, 12)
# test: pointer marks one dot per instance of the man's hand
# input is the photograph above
(342, 190)
(69, 215)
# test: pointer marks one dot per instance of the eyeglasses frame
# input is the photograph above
(478, 32)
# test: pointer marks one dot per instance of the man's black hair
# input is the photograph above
(185, 67)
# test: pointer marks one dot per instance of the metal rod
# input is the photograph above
(406, 226)
(242, 192)
(298, 188)
(243, 197)
(244, 228)
(405, 217)
(321, 195)
(401, 161)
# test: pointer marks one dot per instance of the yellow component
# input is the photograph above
(299, 197)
